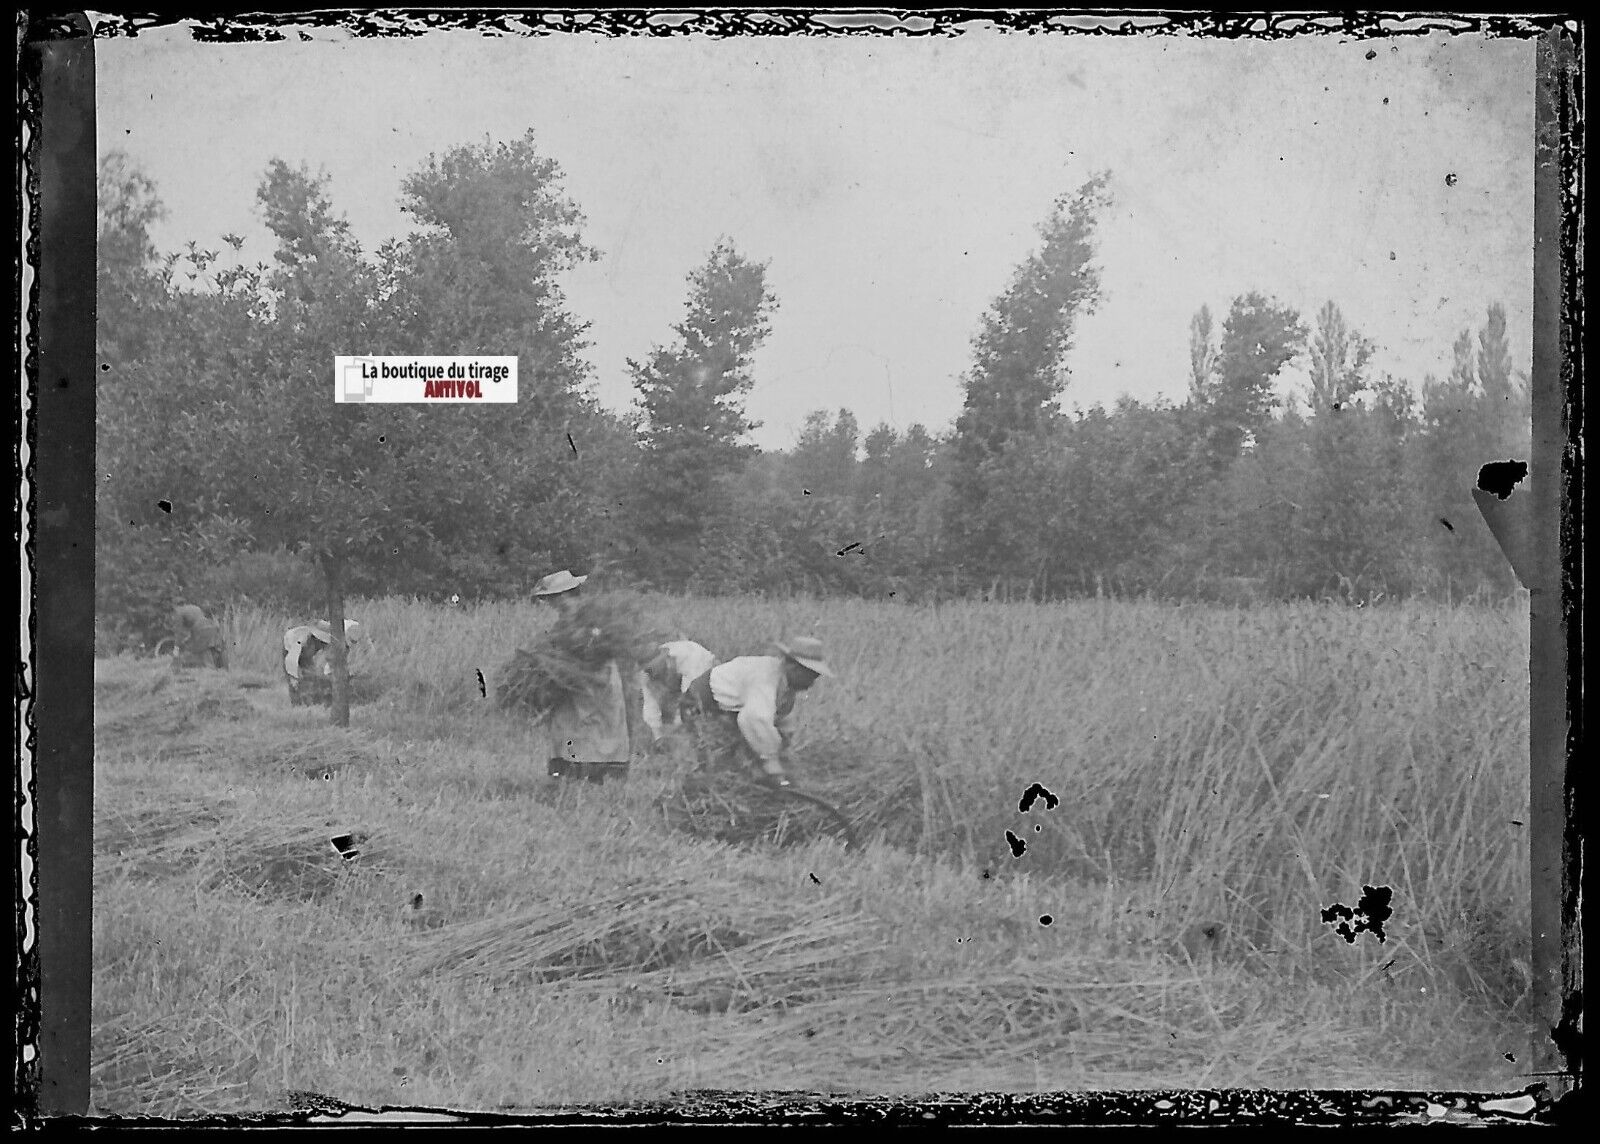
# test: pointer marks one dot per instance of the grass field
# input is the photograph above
(1223, 776)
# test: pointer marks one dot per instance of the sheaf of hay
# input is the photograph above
(565, 662)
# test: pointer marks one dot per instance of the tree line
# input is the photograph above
(227, 470)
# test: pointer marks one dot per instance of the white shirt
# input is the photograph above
(689, 659)
(294, 642)
(755, 687)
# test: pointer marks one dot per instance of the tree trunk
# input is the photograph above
(333, 570)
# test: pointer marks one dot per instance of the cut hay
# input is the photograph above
(317, 690)
(293, 861)
(1098, 1022)
(718, 796)
(578, 647)
(682, 940)
(153, 842)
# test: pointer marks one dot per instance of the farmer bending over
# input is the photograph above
(665, 679)
(307, 648)
(592, 729)
(198, 636)
(757, 693)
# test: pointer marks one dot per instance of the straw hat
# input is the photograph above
(807, 652)
(557, 582)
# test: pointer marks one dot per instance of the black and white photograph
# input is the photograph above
(949, 556)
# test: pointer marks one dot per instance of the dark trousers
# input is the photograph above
(595, 773)
(717, 730)
(698, 700)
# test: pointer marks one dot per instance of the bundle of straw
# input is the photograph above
(570, 658)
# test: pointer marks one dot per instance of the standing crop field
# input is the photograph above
(1211, 780)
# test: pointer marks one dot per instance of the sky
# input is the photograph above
(893, 185)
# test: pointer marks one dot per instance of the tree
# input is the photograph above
(1339, 357)
(691, 398)
(1479, 412)
(129, 287)
(1095, 496)
(369, 486)
(497, 231)
(171, 333)
(1202, 354)
(482, 273)
(1259, 337)
(1019, 360)
(1505, 395)
(823, 460)
(1353, 521)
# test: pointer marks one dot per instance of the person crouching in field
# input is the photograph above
(198, 637)
(665, 678)
(594, 726)
(756, 693)
(305, 652)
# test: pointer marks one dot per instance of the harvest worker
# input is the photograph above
(198, 636)
(305, 651)
(756, 693)
(559, 588)
(666, 677)
(593, 727)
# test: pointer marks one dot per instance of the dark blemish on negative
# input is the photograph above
(165, 506)
(1509, 1057)
(483, 690)
(1516, 822)
(381, 438)
(1037, 828)
(1450, 527)
(1371, 55)
(814, 878)
(852, 547)
(1017, 845)
(572, 445)
(1033, 794)
(1045, 919)
(1450, 179)
(1500, 477)
(1368, 916)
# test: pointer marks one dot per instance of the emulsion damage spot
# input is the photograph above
(1368, 916)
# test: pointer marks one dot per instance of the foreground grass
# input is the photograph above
(1242, 769)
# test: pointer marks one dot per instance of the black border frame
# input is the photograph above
(56, 497)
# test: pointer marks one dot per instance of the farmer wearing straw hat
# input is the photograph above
(306, 649)
(559, 588)
(757, 693)
(593, 729)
